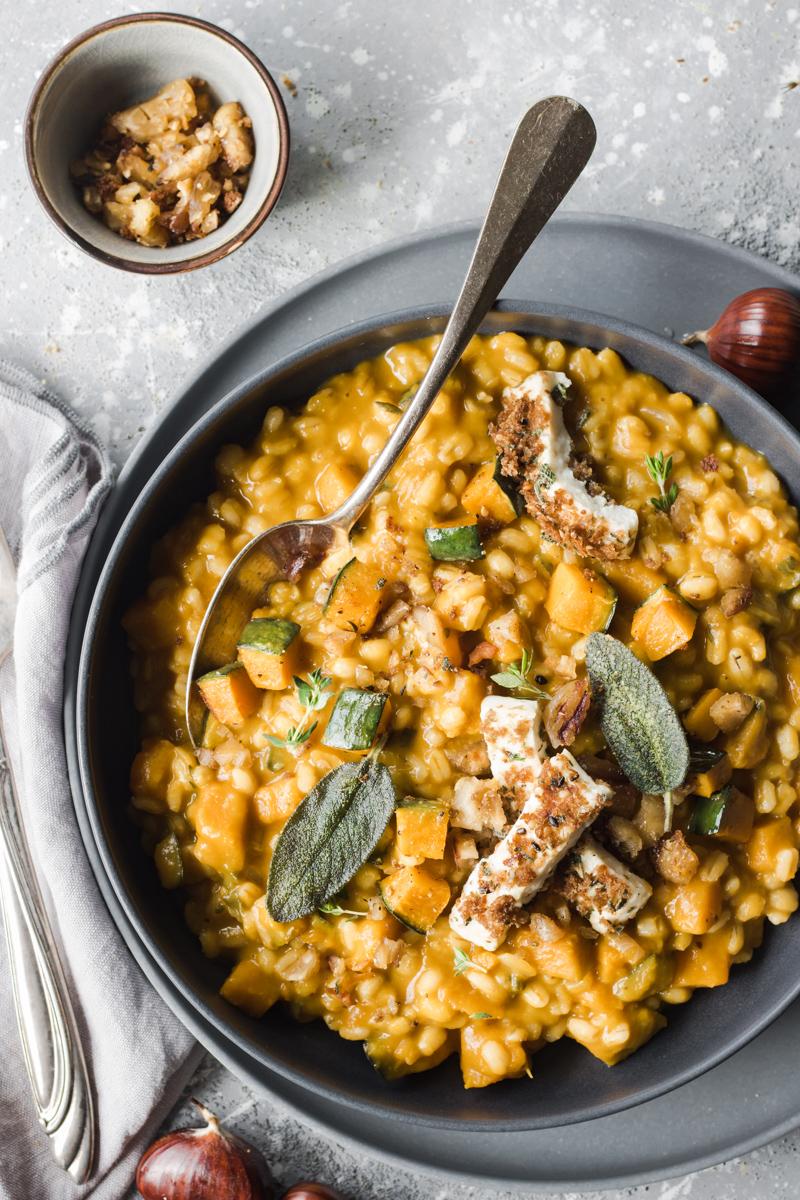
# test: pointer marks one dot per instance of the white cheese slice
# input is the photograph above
(512, 730)
(601, 888)
(562, 801)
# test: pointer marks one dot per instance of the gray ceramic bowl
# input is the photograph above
(569, 1084)
(118, 63)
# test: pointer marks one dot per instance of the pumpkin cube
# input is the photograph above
(698, 721)
(705, 964)
(748, 745)
(250, 988)
(772, 848)
(489, 497)
(663, 624)
(218, 815)
(269, 648)
(333, 485)
(632, 579)
(580, 600)
(568, 958)
(415, 897)
(695, 906)
(710, 781)
(230, 694)
(356, 596)
(421, 829)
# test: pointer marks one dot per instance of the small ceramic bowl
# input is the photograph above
(118, 63)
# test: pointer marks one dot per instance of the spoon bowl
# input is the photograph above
(551, 146)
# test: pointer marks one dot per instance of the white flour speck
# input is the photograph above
(639, 109)
(656, 197)
(455, 133)
(360, 56)
(316, 105)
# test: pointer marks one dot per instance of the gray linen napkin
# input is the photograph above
(53, 478)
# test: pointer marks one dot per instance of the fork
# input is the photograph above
(51, 1045)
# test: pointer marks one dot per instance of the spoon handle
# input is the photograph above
(550, 148)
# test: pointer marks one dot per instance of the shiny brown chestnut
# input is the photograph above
(311, 1191)
(756, 338)
(204, 1164)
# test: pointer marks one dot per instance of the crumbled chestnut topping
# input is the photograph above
(170, 169)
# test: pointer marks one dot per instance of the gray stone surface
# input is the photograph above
(399, 120)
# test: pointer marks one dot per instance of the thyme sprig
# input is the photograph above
(462, 962)
(313, 694)
(659, 469)
(515, 677)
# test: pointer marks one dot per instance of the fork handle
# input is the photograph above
(51, 1046)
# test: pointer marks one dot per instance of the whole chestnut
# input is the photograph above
(204, 1164)
(756, 338)
(311, 1191)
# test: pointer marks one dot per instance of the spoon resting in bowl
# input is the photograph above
(550, 148)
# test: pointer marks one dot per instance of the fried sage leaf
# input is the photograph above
(328, 837)
(638, 721)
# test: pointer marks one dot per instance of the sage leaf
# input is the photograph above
(328, 837)
(638, 721)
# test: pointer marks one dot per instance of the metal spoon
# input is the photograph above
(550, 148)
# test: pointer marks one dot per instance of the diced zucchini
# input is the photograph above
(356, 596)
(663, 624)
(169, 861)
(456, 542)
(269, 648)
(421, 828)
(653, 974)
(580, 600)
(229, 693)
(490, 496)
(415, 897)
(727, 814)
(355, 720)
(381, 1050)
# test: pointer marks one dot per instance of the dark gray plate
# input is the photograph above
(562, 257)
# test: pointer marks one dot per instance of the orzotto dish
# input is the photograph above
(560, 660)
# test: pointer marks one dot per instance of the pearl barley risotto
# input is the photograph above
(560, 660)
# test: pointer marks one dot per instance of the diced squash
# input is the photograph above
(698, 721)
(230, 693)
(456, 541)
(356, 596)
(508, 633)
(251, 988)
(361, 939)
(695, 906)
(663, 624)
(421, 828)
(415, 897)
(393, 1058)
(712, 780)
(748, 744)
(489, 497)
(218, 815)
(269, 648)
(769, 843)
(706, 963)
(727, 814)
(569, 957)
(492, 1050)
(580, 600)
(358, 717)
(169, 861)
(333, 485)
(632, 579)
(642, 1023)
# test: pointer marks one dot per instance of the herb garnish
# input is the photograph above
(515, 678)
(313, 694)
(480, 1016)
(638, 721)
(659, 469)
(333, 910)
(462, 962)
(328, 837)
(559, 392)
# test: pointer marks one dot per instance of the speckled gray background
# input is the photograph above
(399, 113)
